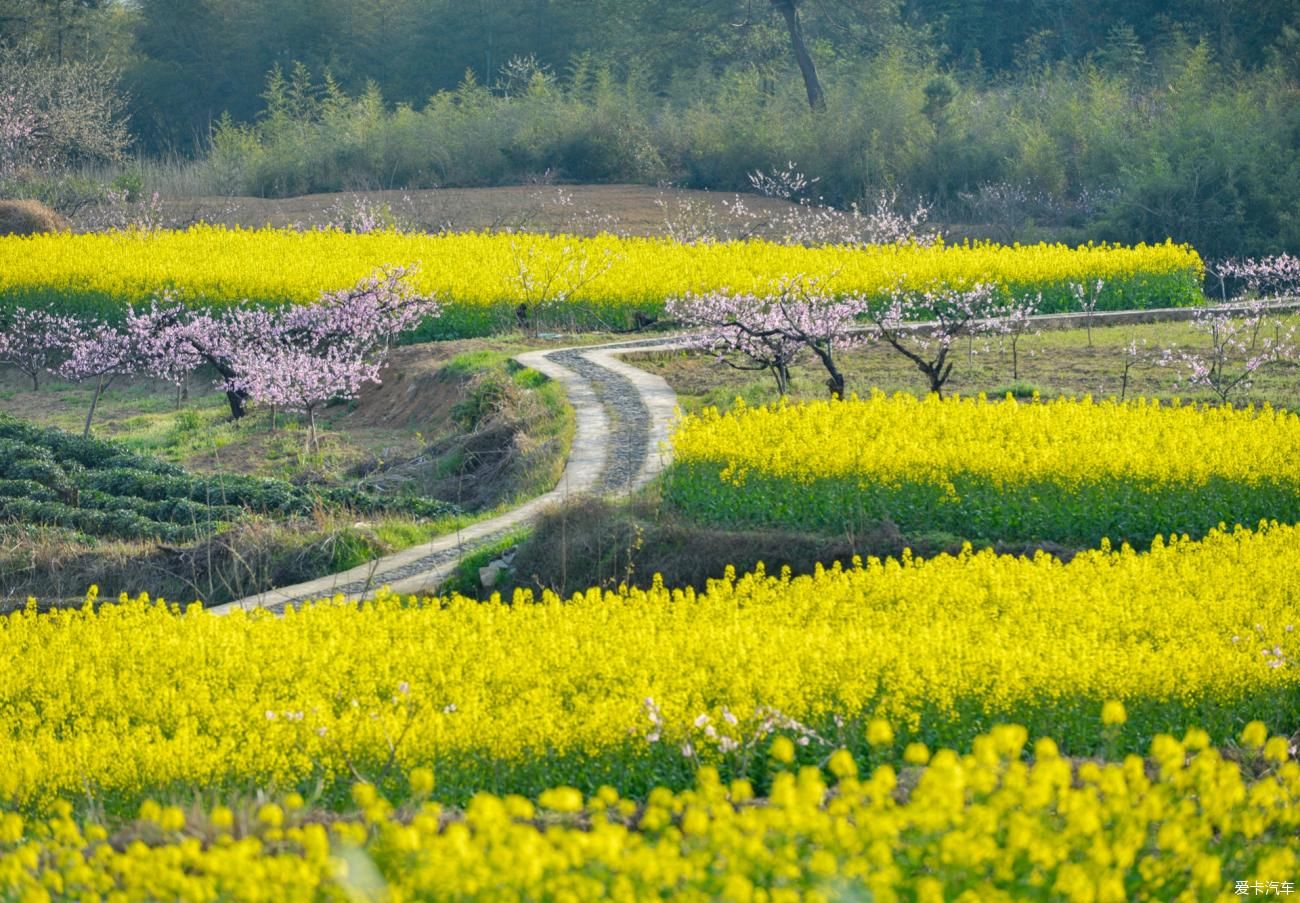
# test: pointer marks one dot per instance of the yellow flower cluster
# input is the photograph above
(1001, 823)
(135, 699)
(592, 281)
(1070, 470)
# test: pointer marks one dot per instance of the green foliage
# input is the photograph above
(980, 509)
(469, 363)
(527, 378)
(1131, 121)
(489, 393)
(353, 546)
(465, 578)
(55, 478)
(1218, 168)
(1018, 389)
(192, 59)
(1181, 149)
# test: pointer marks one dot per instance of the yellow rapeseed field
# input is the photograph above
(566, 279)
(138, 699)
(983, 827)
(1071, 470)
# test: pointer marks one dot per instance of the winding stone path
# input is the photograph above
(620, 443)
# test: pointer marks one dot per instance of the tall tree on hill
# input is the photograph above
(789, 10)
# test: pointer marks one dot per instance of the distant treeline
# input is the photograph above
(1185, 149)
(1120, 119)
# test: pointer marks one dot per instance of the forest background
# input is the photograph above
(1120, 120)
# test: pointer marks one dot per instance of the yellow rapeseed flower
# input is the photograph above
(1254, 735)
(879, 732)
(1074, 470)
(598, 280)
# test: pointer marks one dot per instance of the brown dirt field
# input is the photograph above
(583, 209)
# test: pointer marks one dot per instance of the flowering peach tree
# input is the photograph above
(1245, 335)
(770, 331)
(102, 354)
(33, 341)
(923, 325)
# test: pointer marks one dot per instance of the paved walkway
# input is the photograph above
(620, 443)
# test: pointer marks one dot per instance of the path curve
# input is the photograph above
(623, 417)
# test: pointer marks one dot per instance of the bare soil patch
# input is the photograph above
(581, 209)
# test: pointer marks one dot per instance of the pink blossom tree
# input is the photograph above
(302, 357)
(370, 314)
(101, 353)
(56, 114)
(1244, 335)
(923, 325)
(771, 330)
(161, 344)
(1265, 278)
(1136, 353)
(737, 328)
(19, 123)
(820, 320)
(361, 321)
(33, 340)
(1243, 339)
(302, 377)
(1012, 320)
(811, 222)
(1086, 295)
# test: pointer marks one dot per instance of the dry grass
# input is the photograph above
(30, 218)
(57, 567)
(588, 542)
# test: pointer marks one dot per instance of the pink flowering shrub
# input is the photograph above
(295, 358)
(101, 353)
(1243, 339)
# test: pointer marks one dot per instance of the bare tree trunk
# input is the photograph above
(788, 9)
(781, 373)
(94, 402)
(938, 373)
(835, 379)
(835, 383)
(58, 42)
(237, 399)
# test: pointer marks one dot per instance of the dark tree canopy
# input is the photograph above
(188, 61)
